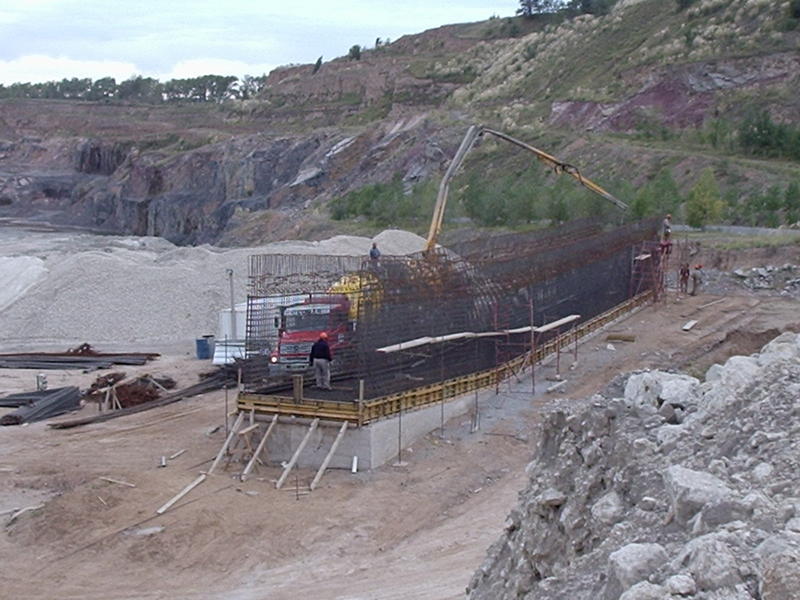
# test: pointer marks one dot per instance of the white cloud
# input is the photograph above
(214, 66)
(38, 67)
(45, 40)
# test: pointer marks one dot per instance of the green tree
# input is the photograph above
(317, 66)
(791, 202)
(718, 133)
(590, 7)
(704, 203)
(557, 210)
(140, 88)
(760, 135)
(250, 86)
(355, 52)
(103, 88)
(642, 204)
(665, 192)
(772, 205)
(75, 88)
(521, 198)
(531, 8)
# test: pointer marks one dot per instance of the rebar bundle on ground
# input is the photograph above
(41, 405)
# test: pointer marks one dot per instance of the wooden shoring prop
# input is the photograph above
(228, 440)
(329, 456)
(296, 455)
(200, 479)
(261, 444)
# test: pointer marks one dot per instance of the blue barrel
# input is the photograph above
(205, 347)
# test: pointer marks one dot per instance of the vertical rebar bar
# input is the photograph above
(575, 333)
(441, 379)
(400, 434)
(233, 306)
(226, 388)
(558, 351)
(533, 348)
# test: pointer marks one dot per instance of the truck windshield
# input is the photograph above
(306, 321)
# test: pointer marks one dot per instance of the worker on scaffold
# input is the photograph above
(666, 234)
(320, 358)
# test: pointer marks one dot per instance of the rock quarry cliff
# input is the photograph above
(663, 488)
(623, 95)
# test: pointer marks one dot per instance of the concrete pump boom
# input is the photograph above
(473, 133)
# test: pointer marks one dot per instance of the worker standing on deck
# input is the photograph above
(374, 253)
(697, 279)
(320, 357)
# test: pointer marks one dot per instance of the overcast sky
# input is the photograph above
(44, 40)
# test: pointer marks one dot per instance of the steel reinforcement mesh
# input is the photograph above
(483, 286)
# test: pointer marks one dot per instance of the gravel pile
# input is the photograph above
(784, 280)
(678, 490)
(767, 281)
(62, 289)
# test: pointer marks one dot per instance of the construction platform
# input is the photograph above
(375, 430)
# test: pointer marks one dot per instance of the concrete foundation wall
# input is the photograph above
(288, 434)
(415, 424)
(374, 444)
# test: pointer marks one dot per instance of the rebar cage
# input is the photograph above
(403, 306)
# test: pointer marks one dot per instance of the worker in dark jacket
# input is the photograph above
(374, 253)
(320, 357)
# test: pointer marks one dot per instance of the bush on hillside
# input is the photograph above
(761, 136)
(658, 196)
(704, 204)
(385, 204)
(791, 203)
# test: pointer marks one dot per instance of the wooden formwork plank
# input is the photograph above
(328, 456)
(287, 469)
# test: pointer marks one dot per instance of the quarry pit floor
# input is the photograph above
(413, 531)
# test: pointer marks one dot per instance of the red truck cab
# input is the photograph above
(302, 324)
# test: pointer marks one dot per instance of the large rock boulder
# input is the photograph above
(651, 389)
(780, 576)
(645, 591)
(712, 563)
(630, 565)
(690, 491)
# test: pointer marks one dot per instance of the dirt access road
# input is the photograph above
(417, 531)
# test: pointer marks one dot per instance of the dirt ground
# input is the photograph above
(415, 531)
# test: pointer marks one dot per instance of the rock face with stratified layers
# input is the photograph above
(706, 508)
(237, 191)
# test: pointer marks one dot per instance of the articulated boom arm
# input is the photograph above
(473, 133)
